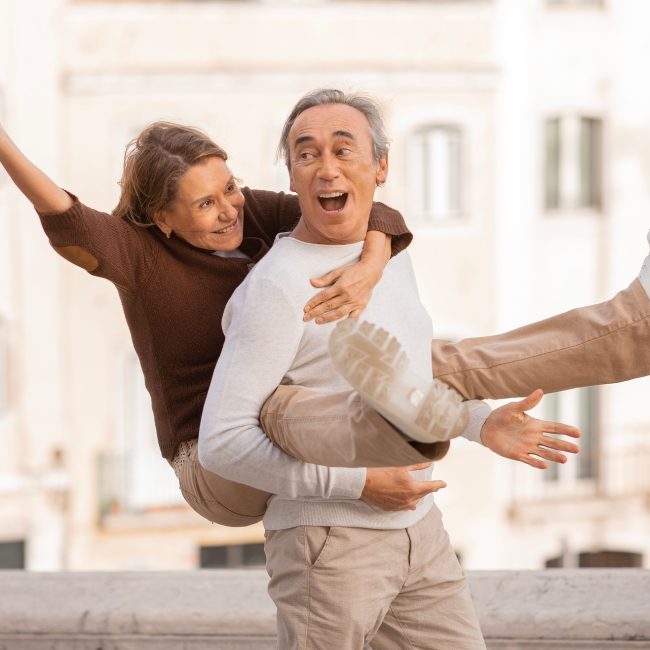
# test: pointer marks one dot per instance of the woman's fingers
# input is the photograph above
(327, 279)
(320, 302)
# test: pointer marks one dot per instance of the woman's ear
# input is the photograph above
(159, 220)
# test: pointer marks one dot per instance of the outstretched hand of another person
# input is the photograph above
(393, 488)
(512, 433)
(347, 289)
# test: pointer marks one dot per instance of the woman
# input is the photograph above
(181, 239)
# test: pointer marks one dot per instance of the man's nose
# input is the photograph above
(329, 167)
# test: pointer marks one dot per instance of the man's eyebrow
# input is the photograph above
(303, 138)
(310, 138)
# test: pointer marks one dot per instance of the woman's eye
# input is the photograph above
(344, 151)
(231, 188)
(207, 203)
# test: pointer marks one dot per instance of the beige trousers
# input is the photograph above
(599, 344)
(345, 587)
(315, 428)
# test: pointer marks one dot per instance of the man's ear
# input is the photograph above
(291, 180)
(382, 170)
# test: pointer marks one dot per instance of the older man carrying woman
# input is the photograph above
(347, 566)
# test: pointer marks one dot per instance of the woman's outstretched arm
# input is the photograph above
(38, 187)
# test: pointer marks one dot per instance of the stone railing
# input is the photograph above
(229, 610)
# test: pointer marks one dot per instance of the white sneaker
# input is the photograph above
(426, 410)
(644, 274)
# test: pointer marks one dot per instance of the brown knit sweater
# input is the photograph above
(174, 294)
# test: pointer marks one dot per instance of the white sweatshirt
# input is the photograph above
(267, 343)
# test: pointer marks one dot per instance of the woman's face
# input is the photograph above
(208, 211)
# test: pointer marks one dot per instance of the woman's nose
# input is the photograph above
(227, 211)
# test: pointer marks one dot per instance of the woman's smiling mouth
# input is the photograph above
(228, 229)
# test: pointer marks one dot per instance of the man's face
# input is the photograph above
(334, 173)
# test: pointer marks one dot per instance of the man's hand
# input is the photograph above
(512, 433)
(393, 488)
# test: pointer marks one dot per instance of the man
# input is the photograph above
(354, 555)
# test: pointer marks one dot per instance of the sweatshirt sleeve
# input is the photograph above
(124, 252)
(275, 212)
(263, 333)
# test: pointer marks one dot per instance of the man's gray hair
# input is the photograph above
(323, 96)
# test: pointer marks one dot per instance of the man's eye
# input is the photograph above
(207, 203)
(344, 151)
(231, 188)
(306, 155)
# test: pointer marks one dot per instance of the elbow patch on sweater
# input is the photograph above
(78, 256)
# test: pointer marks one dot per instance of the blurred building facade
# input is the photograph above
(520, 153)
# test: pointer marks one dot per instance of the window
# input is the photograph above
(435, 173)
(4, 366)
(552, 414)
(134, 478)
(588, 423)
(573, 162)
(12, 555)
(580, 407)
(233, 556)
(575, 3)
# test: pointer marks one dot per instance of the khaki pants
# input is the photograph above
(599, 344)
(341, 588)
(326, 435)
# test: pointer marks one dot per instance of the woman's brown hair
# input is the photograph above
(154, 162)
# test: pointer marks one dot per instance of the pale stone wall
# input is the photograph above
(598, 610)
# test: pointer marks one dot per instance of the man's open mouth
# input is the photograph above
(333, 201)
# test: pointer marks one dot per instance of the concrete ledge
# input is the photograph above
(229, 610)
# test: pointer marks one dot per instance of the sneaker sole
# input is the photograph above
(374, 363)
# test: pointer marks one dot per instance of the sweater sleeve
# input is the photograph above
(124, 252)
(263, 333)
(276, 212)
(478, 413)
(390, 222)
